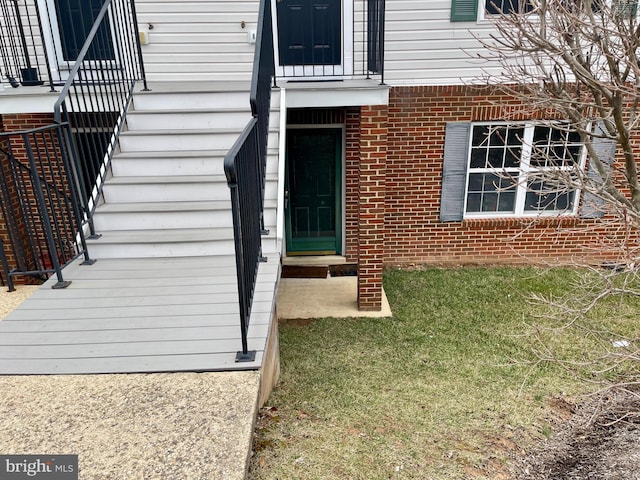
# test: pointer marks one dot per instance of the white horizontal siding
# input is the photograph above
(198, 40)
(423, 47)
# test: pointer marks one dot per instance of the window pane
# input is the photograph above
(488, 192)
(495, 157)
(515, 136)
(474, 202)
(478, 158)
(498, 136)
(512, 157)
(542, 196)
(480, 134)
(552, 147)
(541, 135)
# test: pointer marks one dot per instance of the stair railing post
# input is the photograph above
(44, 216)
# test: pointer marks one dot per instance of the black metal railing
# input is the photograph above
(245, 166)
(39, 204)
(22, 48)
(93, 102)
(327, 52)
(52, 176)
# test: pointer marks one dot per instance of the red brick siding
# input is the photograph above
(371, 211)
(352, 183)
(415, 148)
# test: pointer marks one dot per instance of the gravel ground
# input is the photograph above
(182, 426)
(9, 301)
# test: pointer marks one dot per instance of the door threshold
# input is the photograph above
(314, 260)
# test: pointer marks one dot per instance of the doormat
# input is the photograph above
(344, 270)
(304, 271)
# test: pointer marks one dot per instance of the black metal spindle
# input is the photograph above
(245, 166)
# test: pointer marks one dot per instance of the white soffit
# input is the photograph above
(335, 94)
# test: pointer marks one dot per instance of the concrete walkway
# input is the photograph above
(323, 297)
(164, 426)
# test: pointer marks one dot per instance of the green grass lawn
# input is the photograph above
(446, 389)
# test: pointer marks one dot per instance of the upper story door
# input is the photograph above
(74, 21)
(309, 32)
(70, 22)
(311, 38)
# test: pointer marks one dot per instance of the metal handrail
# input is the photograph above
(245, 167)
(96, 99)
(22, 47)
(39, 203)
(361, 54)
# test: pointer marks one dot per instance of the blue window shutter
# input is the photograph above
(464, 10)
(606, 151)
(454, 171)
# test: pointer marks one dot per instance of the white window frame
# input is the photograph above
(60, 67)
(524, 171)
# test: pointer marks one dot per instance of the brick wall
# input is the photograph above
(352, 183)
(48, 149)
(415, 148)
(371, 206)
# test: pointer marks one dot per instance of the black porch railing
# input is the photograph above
(39, 204)
(326, 50)
(245, 166)
(52, 176)
(93, 103)
(22, 48)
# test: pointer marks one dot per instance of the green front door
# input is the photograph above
(313, 191)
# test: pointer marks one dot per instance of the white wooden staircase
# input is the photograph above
(163, 295)
(167, 195)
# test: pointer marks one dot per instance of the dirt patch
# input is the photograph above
(599, 441)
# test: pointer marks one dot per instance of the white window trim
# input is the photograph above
(523, 171)
(60, 67)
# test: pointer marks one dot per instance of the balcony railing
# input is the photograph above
(39, 204)
(336, 44)
(51, 177)
(22, 48)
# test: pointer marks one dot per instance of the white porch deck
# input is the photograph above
(139, 315)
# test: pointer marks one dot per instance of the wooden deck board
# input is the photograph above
(137, 315)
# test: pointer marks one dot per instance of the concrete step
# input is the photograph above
(163, 215)
(176, 140)
(188, 119)
(163, 243)
(170, 215)
(186, 188)
(191, 100)
(185, 162)
(165, 189)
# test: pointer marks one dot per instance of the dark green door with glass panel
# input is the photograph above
(313, 191)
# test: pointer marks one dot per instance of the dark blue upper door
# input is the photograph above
(309, 32)
(75, 19)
